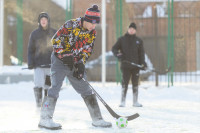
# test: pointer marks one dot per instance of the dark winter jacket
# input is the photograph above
(131, 48)
(40, 47)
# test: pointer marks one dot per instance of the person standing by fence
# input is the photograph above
(39, 56)
(129, 48)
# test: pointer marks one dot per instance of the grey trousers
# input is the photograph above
(40, 77)
(58, 73)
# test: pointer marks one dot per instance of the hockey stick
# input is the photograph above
(131, 117)
(152, 70)
(42, 66)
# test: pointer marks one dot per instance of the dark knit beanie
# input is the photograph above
(133, 25)
(43, 14)
(92, 15)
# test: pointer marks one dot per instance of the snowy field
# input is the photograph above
(166, 110)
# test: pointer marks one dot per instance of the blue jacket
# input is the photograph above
(40, 47)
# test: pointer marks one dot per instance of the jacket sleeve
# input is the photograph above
(116, 47)
(141, 53)
(31, 50)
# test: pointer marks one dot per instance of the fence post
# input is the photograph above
(172, 48)
(118, 33)
(168, 41)
(156, 42)
(20, 31)
(68, 11)
(103, 25)
(68, 16)
(1, 32)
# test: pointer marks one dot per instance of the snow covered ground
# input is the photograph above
(166, 110)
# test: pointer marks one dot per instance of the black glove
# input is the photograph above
(48, 80)
(30, 67)
(79, 72)
(69, 61)
(144, 66)
(119, 56)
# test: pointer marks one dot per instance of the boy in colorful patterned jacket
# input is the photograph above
(72, 46)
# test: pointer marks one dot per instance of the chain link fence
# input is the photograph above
(152, 21)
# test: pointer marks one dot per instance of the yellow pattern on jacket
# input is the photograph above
(72, 38)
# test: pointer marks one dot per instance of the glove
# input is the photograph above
(30, 67)
(79, 72)
(48, 80)
(144, 66)
(69, 61)
(119, 56)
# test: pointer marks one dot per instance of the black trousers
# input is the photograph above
(127, 74)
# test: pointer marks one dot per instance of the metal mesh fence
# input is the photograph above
(152, 26)
(152, 19)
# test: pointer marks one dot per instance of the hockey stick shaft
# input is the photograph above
(152, 70)
(42, 66)
(108, 107)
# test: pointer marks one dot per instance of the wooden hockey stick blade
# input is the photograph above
(115, 115)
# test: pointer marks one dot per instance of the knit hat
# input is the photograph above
(43, 14)
(133, 25)
(92, 15)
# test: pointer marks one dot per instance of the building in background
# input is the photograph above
(151, 17)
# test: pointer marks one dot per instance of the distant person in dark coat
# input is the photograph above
(39, 55)
(129, 48)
